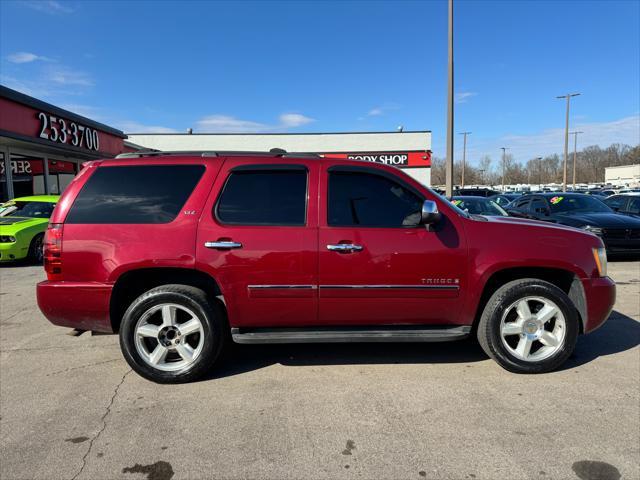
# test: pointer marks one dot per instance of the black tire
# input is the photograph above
(36, 253)
(212, 319)
(489, 334)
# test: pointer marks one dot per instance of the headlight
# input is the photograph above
(592, 229)
(7, 239)
(600, 256)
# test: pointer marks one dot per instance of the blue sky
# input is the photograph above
(336, 66)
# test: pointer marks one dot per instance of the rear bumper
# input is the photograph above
(600, 296)
(80, 305)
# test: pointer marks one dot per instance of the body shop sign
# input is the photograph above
(395, 159)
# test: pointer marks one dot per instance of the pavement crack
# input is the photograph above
(82, 366)
(104, 425)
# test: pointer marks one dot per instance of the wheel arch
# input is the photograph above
(133, 283)
(565, 280)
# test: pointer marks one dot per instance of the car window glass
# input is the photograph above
(539, 206)
(259, 197)
(523, 204)
(634, 205)
(577, 203)
(369, 200)
(616, 202)
(134, 194)
(29, 209)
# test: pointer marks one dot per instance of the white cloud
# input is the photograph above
(381, 110)
(524, 147)
(229, 124)
(293, 120)
(26, 57)
(463, 97)
(129, 126)
(67, 76)
(49, 6)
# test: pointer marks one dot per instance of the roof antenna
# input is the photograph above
(278, 151)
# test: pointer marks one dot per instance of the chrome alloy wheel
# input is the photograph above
(169, 337)
(533, 328)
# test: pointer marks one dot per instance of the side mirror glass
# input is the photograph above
(430, 214)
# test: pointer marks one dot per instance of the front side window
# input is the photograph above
(523, 205)
(616, 202)
(135, 194)
(539, 206)
(634, 205)
(264, 197)
(370, 200)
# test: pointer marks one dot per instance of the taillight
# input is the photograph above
(53, 251)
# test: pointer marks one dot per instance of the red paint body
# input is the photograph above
(466, 252)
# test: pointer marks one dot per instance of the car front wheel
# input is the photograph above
(172, 334)
(529, 326)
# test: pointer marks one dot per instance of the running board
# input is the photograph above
(350, 334)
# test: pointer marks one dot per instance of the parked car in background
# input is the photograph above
(504, 199)
(277, 248)
(23, 222)
(479, 206)
(627, 203)
(608, 192)
(621, 234)
(474, 192)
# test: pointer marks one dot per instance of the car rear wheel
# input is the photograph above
(172, 334)
(529, 326)
(36, 253)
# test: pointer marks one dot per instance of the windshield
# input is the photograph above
(577, 203)
(27, 209)
(479, 206)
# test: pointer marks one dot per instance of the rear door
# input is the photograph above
(258, 237)
(377, 266)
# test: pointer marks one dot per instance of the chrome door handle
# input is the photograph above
(345, 248)
(223, 244)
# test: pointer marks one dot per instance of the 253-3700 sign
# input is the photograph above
(60, 130)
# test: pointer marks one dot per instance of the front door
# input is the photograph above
(377, 265)
(259, 238)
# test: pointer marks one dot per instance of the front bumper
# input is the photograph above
(81, 305)
(600, 296)
(10, 252)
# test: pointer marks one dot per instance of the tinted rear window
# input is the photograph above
(277, 197)
(137, 194)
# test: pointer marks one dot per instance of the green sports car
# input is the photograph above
(23, 222)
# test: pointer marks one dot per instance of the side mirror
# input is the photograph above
(430, 214)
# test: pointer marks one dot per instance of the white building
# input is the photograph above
(407, 150)
(623, 175)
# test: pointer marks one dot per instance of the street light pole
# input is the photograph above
(539, 162)
(504, 149)
(464, 154)
(575, 146)
(566, 139)
(449, 160)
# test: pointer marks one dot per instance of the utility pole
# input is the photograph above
(575, 146)
(566, 139)
(539, 162)
(464, 154)
(504, 149)
(449, 160)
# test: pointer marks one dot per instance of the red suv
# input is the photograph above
(182, 253)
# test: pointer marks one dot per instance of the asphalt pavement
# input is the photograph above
(71, 408)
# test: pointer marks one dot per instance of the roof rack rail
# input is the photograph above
(274, 152)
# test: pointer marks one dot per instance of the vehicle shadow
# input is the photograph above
(245, 358)
(618, 334)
